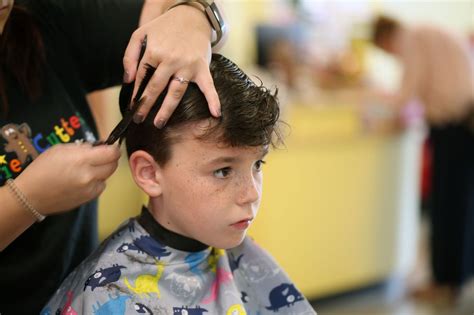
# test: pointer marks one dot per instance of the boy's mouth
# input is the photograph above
(242, 224)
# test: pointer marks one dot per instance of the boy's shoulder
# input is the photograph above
(260, 277)
(97, 276)
(249, 253)
(253, 262)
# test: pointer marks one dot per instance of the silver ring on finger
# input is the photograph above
(181, 80)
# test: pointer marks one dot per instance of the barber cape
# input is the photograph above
(142, 268)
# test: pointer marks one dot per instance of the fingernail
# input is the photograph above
(138, 118)
(218, 112)
(126, 77)
(160, 123)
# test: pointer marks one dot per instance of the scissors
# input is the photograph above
(125, 96)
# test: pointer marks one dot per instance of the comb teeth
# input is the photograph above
(125, 96)
(126, 91)
(148, 74)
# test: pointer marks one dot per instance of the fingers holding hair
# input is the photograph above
(155, 85)
(206, 85)
(176, 89)
(131, 57)
(168, 69)
(178, 83)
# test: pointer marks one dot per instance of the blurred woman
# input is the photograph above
(439, 72)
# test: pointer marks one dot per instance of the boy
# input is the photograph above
(187, 253)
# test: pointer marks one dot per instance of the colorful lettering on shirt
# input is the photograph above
(70, 131)
(5, 172)
(60, 133)
(75, 122)
(20, 141)
(15, 165)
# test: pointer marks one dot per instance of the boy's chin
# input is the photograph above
(227, 244)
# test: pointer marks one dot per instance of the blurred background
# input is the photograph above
(346, 199)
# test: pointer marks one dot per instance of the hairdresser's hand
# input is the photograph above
(178, 45)
(67, 175)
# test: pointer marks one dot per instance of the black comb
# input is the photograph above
(125, 99)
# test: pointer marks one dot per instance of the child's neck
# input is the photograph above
(148, 219)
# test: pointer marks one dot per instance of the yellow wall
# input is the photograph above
(330, 208)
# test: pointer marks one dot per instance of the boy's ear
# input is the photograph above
(145, 172)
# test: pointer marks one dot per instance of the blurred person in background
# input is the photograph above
(438, 72)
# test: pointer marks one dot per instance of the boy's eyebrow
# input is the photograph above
(231, 159)
(223, 159)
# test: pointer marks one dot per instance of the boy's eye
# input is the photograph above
(222, 173)
(259, 164)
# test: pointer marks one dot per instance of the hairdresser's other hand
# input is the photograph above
(67, 175)
(178, 45)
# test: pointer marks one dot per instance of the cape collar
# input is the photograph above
(167, 237)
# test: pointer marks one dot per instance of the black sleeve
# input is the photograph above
(94, 33)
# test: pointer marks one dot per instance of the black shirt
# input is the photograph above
(85, 41)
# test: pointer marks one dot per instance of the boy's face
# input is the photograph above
(210, 192)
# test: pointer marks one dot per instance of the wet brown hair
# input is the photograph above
(250, 115)
(22, 55)
(383, 27)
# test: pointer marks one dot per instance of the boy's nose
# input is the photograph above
(250, 190)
